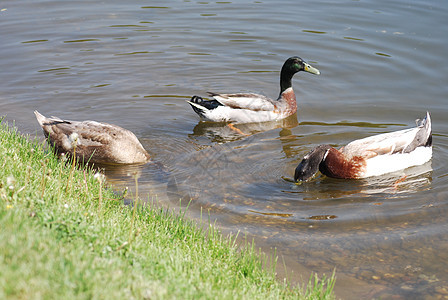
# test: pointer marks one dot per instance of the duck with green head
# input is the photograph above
(250, 107)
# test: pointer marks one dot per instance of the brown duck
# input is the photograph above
(93, 141)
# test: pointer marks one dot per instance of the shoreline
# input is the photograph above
(66, 235)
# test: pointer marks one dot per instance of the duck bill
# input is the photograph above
(308, 68)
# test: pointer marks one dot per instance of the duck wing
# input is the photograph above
(88, 133)
(248, 101)
(402, 141)
(91, 133)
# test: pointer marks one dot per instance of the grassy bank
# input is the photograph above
(63, 236)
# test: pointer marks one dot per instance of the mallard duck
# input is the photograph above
(249, 107)
(93, 141)
(371, 156)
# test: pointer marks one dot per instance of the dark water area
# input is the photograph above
(134, 63)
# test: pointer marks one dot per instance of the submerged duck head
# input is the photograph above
(310, 163)
(371, 156)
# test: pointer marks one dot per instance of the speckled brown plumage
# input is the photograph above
(94, 142)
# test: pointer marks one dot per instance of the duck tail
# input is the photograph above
(40, 118)
(43, 121)
(201, 106)
(426, 124)
(423, 135)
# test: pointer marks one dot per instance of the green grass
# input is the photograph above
(59, 241)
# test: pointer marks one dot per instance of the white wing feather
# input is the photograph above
(253, 102)
(386, 143)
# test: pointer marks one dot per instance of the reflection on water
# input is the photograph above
(413, 179)
(355, 124)
(223, 133)
(134, 66)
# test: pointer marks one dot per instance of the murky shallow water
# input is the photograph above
(382, 63)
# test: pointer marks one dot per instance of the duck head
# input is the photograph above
(295, 64)
(310, 163)
(291, 66)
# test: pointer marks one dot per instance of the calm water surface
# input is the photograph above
(134, 63)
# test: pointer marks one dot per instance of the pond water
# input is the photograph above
(134, 63)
